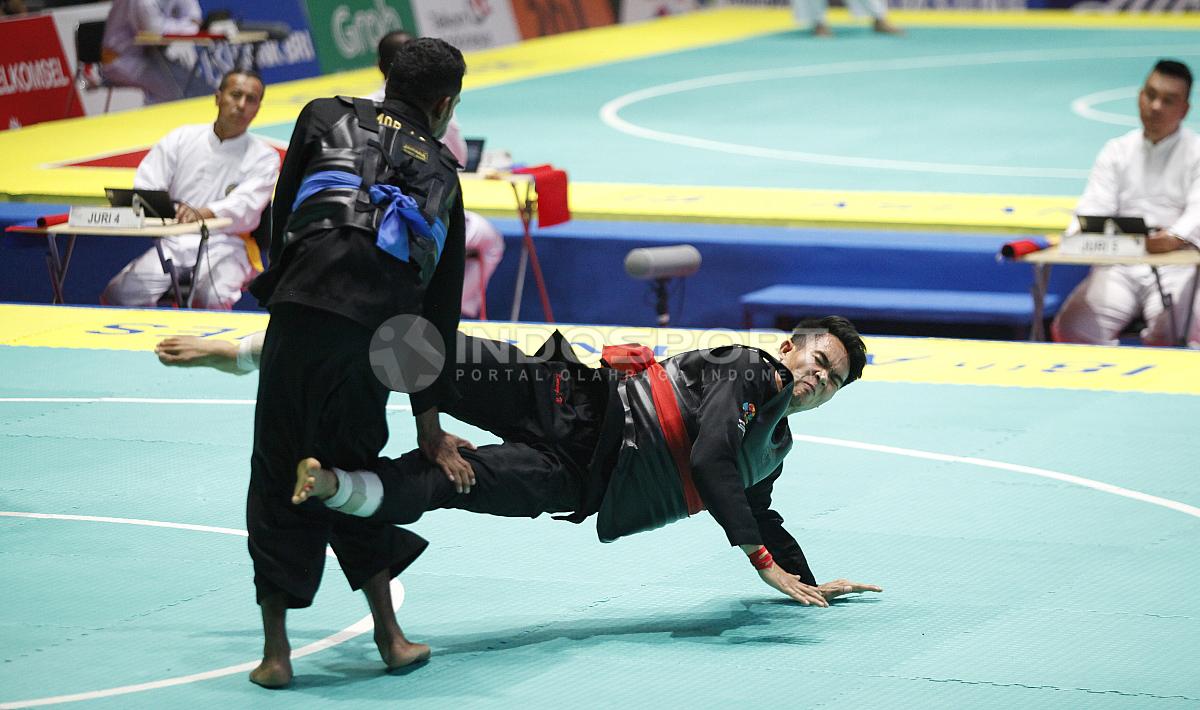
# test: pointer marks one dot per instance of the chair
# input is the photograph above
(89, 38)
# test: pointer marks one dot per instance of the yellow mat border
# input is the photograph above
(904, 360)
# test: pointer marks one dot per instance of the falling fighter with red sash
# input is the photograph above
(637, 443)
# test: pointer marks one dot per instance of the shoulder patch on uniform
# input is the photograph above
(749, 411)
(416, 152)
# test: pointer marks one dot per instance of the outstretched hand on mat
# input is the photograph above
(839, 587)
(791, 585)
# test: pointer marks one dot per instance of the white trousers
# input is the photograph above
(1111, 297)
(159, 78)
(812, 12)
(223, 273)
(485, 248)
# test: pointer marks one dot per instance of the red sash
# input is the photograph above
(632, 359)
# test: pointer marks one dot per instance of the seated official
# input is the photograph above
(1154, 173)
(124, 63)
(210, 170)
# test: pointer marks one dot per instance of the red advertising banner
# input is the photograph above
(34, 76)
(538, 18)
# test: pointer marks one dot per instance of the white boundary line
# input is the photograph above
(359, 627)
(1012, 467)
(610, 112)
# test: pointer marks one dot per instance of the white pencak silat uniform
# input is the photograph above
(485, 245)
(812, 12)
(1161, 184)
(233, 178)
(148, 68)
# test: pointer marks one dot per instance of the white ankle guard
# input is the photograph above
(360, 493)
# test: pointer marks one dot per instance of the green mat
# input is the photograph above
(1002, 589)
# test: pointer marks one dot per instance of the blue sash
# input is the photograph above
(400, 214)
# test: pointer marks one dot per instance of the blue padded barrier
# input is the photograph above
(583, 263)
(764, 306)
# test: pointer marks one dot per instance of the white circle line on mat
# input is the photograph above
(610, 111)
(1084, 106)
(1012, 467)
(359, 627)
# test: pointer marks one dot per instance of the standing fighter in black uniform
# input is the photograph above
(368, 224)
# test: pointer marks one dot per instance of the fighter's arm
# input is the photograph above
(441, 307)
(785, 551)
(315, 118)
(783, 547)
(714, 467)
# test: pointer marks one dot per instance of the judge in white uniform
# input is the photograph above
(152, 69)
(1154, 173)
(210, 170)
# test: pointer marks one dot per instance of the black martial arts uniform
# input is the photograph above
(328, 288)
(580, 440)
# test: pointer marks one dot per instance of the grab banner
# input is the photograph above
(35, 80)
(347, 32)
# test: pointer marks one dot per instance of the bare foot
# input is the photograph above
(821, 30)
(272, 674)
(882, 26)
(398, 652)
(313, 481)
(190, 351)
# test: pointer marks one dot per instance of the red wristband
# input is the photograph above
(761, 558)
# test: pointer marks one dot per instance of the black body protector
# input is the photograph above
(380, 149)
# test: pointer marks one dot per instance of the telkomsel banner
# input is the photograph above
(35, 80)
(467, 24)
(538, 18)
(346, 32)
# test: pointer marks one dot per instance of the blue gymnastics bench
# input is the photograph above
(762, 307)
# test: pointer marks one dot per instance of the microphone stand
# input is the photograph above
(661, 305)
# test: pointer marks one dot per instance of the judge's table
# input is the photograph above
(1046, 258)
(59, 261)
